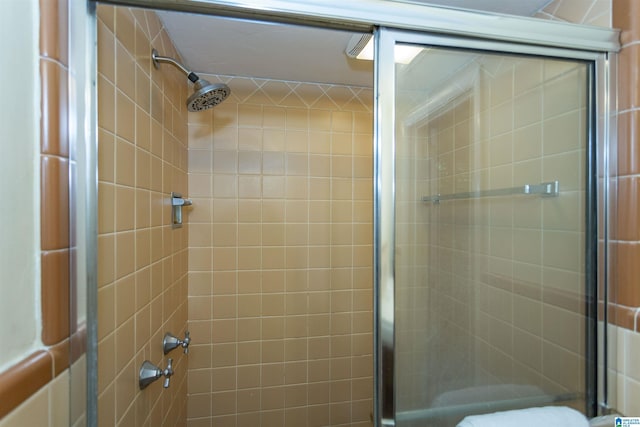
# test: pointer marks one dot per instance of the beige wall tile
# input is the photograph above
(141, 257)
(290, 167)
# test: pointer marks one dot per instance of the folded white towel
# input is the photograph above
(548, 416)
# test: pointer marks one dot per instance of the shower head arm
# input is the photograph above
(205, 95)
(193, 77)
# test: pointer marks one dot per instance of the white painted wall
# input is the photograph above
(19, 180)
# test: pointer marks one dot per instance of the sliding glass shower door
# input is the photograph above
(485, 219)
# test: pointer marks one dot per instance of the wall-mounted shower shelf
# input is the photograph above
(544, 189)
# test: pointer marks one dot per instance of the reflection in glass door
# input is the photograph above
(489, 280)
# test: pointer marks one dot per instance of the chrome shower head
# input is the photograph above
(206, 95)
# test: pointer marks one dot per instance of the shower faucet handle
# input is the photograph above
(170, 342)
(168, 372)
(150, 372)
(186, 341)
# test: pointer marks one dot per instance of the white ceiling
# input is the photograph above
(214, 45)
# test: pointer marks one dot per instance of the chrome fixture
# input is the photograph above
(170, 342)
(150, 372)
(549, 189)
(177, 202)
(205, 95)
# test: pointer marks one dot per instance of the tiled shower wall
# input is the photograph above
(626, 312)
(142, 260)
(280, 256)
(627, 295)
(500, 298)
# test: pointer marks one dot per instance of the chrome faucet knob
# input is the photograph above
(148, 374)
(186, 341)
(168, 372)
(170, 342)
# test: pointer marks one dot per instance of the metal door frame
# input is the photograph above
(430, 24)
(384, 198)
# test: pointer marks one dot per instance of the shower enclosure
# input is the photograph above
(488, 299)
(488, 205)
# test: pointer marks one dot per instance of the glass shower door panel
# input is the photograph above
(489, 267)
